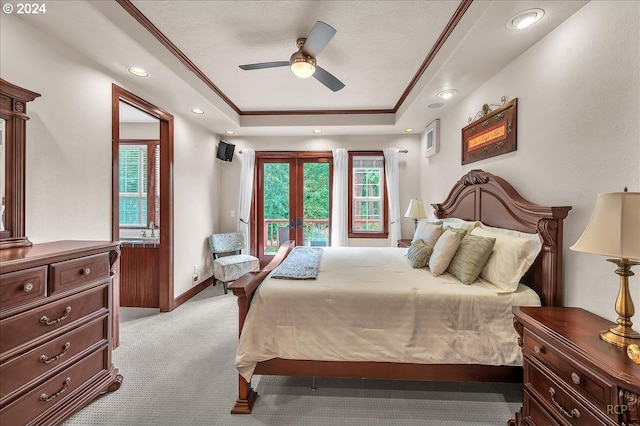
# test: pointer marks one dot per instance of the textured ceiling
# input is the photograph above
(386, 53)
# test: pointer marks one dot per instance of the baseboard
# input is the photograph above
(192, 292)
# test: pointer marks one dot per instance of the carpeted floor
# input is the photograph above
(178, 370)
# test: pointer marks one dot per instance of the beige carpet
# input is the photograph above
(178, 370)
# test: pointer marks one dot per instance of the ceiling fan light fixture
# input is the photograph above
(302, 66)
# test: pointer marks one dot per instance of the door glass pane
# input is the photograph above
(276, 205)
(316, 204)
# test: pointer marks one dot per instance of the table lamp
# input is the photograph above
(415, 211)
(614, 231)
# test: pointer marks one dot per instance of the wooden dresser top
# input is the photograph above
(17, 258)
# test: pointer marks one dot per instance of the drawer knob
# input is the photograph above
(86, 271)
(573, 414)
(538, 349)
(576, 378)
(27, 287)
(45, 319)
(65, 385)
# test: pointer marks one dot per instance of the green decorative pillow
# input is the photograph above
(419, 254)
(427, 231)
(471, 257)
(444, 250)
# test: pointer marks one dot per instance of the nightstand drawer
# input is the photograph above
(76, 272)
(23, 286)
(599, 392)
(535, 414)
(562, 403)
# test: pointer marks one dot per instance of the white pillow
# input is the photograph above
(454, 222)
(510, 259)
(429, 232)
(444, 250)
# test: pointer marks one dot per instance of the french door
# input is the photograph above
(292, 200)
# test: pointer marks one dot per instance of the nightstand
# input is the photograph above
(571, 377)
(404, 243)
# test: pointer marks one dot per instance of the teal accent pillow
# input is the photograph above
(419, 253)
(472, 255)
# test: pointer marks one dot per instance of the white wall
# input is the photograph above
(68, 182)
(408, 166)
(578, 93)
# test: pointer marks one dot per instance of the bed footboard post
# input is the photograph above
(246, 397)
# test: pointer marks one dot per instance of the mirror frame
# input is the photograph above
(13, 108)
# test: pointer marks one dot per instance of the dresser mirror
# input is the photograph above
(13, 116)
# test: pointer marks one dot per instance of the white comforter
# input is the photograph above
(368, 304)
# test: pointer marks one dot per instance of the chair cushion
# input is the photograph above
(230, 268)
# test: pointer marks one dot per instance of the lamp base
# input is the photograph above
(620, 336)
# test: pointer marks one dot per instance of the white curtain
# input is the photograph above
(246, 192)
(393, 191)
(339, 214)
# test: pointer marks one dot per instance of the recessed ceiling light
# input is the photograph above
(197, 111)
(138, 72)
(446, 94)
(317, 131)
(435, 105)
(525, 19)
(229, 132)
(409, 130)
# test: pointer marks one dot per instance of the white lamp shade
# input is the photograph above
(416, 209)
(614, 228)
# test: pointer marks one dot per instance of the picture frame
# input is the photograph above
(494, 133)
(430, 138)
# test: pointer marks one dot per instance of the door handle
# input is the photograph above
(292, 223)
(300, 223)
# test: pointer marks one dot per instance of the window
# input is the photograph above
(139, 184)
(367, 196)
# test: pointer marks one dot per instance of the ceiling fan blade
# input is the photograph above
(320, 35)
(265, 65)
(328, 79)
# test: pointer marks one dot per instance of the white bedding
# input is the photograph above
(368, 304)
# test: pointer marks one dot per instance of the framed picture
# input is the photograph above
(494, 133)
(430, 138)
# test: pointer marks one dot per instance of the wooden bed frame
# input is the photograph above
(476, 196)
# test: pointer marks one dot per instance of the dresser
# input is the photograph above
(571, 377)
(55, 329)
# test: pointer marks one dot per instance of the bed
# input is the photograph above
(405, 349)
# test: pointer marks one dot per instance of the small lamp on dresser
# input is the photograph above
(415, 211)
(614, 231)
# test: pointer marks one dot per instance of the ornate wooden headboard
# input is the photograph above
(479, 195)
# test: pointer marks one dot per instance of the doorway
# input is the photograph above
(292, 200)
(164, 265)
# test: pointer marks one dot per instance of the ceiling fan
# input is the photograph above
(303, 62)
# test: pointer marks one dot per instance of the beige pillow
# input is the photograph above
(460, 224)
(510, 259)
(429, 232)
(444, 250)
(471, 257)
(419, 254)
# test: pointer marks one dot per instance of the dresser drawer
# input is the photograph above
(22, 371)
(76, 272)
(22, 286)
(23, 330)
(55, 390)
(562, 403)
(599, 392)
